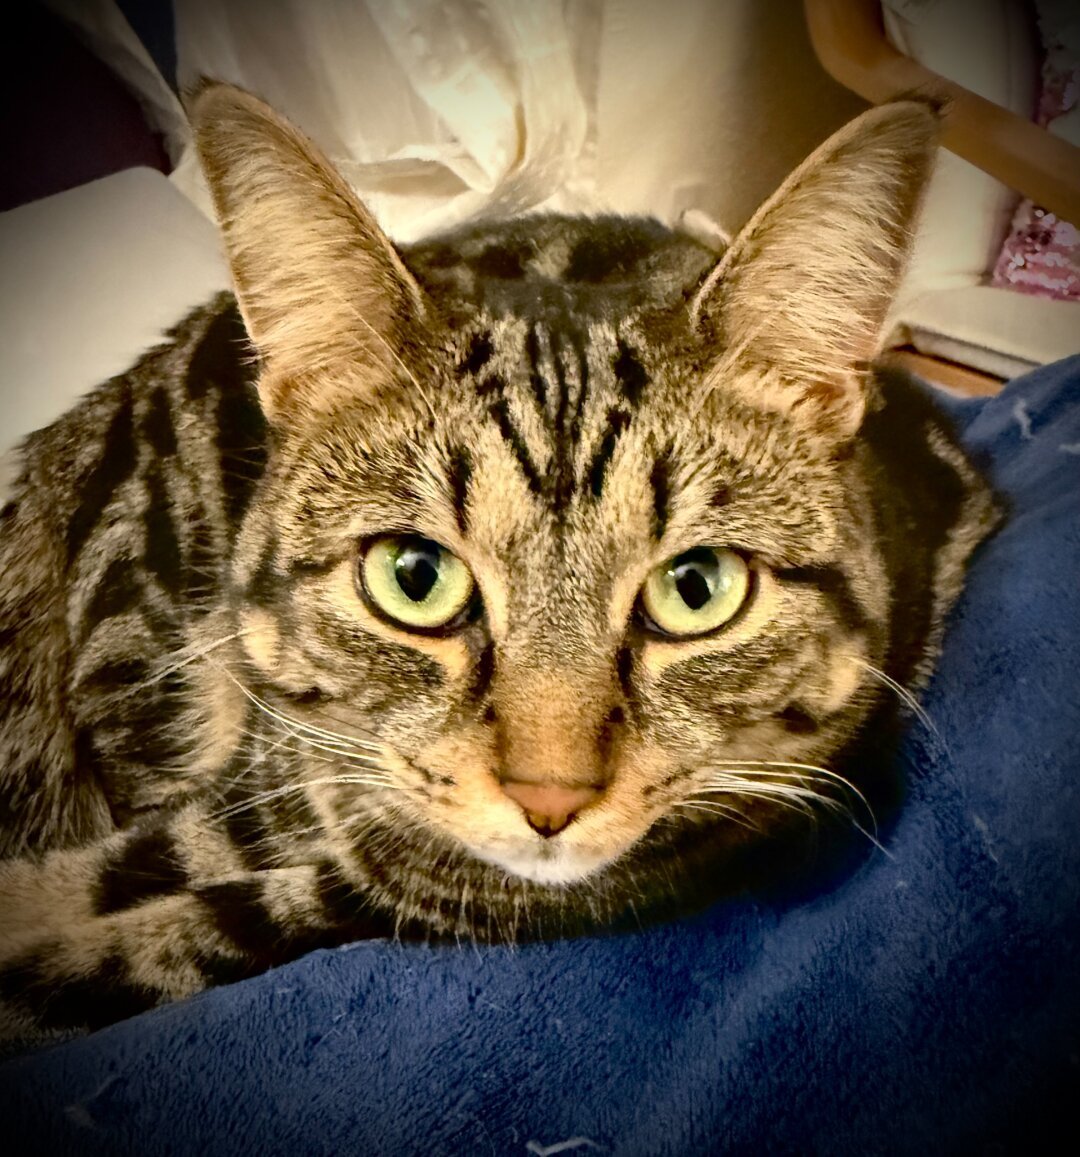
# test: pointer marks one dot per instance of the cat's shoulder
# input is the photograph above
(185, 407)
(201, 358)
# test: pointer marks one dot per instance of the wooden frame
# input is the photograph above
(939, 372)
(849, 39)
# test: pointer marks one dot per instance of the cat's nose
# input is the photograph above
(549, 807)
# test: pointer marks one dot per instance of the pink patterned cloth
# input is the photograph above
(1041, 255)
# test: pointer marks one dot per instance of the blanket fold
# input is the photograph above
(926, 1003)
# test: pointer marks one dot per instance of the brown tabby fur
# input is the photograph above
(215, 756)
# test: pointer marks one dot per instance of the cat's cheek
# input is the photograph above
(464, 799)
(260, 638)
(844, 670)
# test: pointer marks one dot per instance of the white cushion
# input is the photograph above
(943, 307)
(92, 278)
(990, 48)
(998, 331)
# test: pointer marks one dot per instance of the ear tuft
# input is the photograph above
(803, 291)
(322, 291)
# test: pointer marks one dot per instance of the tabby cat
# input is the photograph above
(534, 579)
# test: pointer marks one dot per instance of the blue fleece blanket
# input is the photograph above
(928, 1003)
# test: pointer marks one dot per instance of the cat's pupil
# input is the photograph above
(416, 568)
(697, 575)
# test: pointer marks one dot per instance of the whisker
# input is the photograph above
(179, 664)
(287, 789)
(800, 798)
(716, 809)
(298, 727)
(902, 693)
(781, 794)
(282, 745)
(367, 761)
(746, 766)
(341, 739)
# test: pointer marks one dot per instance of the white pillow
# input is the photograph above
(989, 47)
(93, 277)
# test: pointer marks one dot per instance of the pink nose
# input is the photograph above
(549, 807)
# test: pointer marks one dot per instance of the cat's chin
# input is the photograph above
(547, 862)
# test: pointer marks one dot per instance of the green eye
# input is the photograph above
(696, 591)
(414, 581)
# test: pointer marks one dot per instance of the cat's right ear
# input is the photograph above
(324, 295)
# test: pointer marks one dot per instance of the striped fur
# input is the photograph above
(216, 756)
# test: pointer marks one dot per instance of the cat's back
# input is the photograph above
(550, 267)
(179, 417)
(114, 542)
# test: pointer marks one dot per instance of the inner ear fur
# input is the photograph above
(323, 293)
(802, 293)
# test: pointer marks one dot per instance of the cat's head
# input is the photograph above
(575, 564)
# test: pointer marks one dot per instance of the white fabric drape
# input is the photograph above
(438, 111)
(432, 111)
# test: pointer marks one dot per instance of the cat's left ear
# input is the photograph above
(800, 297)
(325, 297)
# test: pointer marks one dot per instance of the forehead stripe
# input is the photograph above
(630, 373)
(618, 420)
(661, 488)
(568, 351)
(500, 411)
(478, 354)
(459, 476)
(536, 377)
